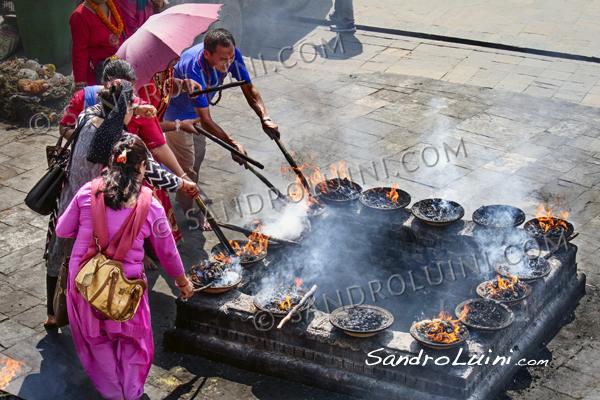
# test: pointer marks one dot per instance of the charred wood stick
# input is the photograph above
(215, 227)
(293, 165)
(204, 287)
(217, 88)
(250, 232)
(264, 180)
(295, 309)
(228, 147)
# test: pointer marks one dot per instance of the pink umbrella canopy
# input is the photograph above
(164, 36)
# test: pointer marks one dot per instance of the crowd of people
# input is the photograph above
(130, 148)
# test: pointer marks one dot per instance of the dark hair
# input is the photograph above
(108, 97)
(117, 69)
(219, 36)
(121, 178)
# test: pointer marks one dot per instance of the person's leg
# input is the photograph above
(344, 12)
(98, 356)
(182, 145)
(50, 286)
(134, 355)
(200, 152)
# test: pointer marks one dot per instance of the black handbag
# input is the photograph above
(42, 198)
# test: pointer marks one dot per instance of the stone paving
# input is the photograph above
(519, 147)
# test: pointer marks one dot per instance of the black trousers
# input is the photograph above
(50, 286)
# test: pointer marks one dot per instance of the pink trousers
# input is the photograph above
(117, 365)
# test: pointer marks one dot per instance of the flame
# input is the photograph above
(393, 194)
(298, 282)
(222, 258)
(301, 193)
(284, 305)
(465, 311)
(436, 331)
(504, 285)
(548, 219)
(9, 370)
(339, 173)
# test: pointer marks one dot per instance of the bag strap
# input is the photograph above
(131, 227)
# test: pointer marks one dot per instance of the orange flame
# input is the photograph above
(546, 217)
(298, 282)
(393, 194)
(9, 370)
(436, 329)
(504, 285)
(284, 305)
(300, 193)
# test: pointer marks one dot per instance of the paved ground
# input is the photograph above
(529, 125)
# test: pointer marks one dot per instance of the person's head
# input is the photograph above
(108, 97)
(125, 172)
(117, 68)
(219, 49)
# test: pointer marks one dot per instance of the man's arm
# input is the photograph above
(209, 125)
(256, 103)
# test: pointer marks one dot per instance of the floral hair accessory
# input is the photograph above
(122, 158)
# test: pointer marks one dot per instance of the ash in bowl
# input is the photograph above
(484, 314)
(361, 319)
(499, 216)
(213, 271)
(338, 189)
(438, 210)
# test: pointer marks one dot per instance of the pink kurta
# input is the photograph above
(116, 355)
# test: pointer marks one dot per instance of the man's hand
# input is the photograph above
(146, 111)
(271, 129)
(239, 148)
(191, 86)
(190, 188)
(187, 125)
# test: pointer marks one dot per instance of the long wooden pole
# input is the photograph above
(228, 147)
(264, 180)
(295, 309)
(215, 226)
(250, 232)
(293, 164)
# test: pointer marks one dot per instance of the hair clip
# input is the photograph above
(112, 58)
(122, 158)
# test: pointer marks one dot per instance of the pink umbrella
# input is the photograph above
(164, 36)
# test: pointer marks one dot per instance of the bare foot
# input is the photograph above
(148, 263)
(201, 220)
(50, 322)
(206, 200)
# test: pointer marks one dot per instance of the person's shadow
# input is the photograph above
(61, 374)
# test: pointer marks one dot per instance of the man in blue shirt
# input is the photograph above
(208, 64)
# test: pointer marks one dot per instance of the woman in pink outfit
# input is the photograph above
(117, 355)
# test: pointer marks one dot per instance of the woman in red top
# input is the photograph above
(98, 31)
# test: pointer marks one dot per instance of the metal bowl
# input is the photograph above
(339, 314)
(260, 296)
(510, 303)
(533, 225)
(504, 269)
(435, 345)
(508, 315)
(219, 248)
(499, 216)
(218, 289)
(403, 198)
(327, 193)
(453, 211)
